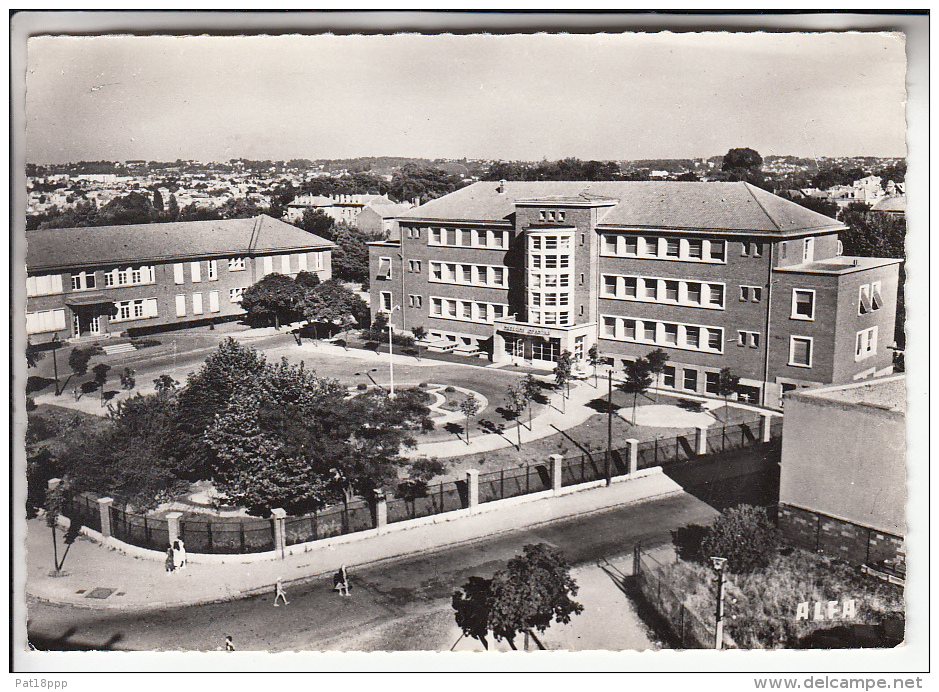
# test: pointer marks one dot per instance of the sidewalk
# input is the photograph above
(130, 583)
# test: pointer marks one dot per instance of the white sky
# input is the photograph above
(601, 96)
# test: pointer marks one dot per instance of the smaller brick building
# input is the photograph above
(843, 470)
(103, 281)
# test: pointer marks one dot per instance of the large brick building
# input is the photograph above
(717, 274)
(842, 485)
(102, 281)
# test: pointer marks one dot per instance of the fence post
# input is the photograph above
(557, 462)
(472, 490)
(632, 450)
(172, 525)
(701, 440)
(280, 538)
(766, 421)
(104, 509)
(381, 511)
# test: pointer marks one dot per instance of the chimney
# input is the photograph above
(417, 201)
(501, 188)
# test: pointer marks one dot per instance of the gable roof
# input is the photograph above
(97, 245)
(737, 206)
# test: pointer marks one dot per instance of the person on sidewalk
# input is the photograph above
(170, 560)
(279, 593)
(229, 644)
(341, 581)
(179, 554)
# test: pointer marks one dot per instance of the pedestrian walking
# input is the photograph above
(280, 593)
(179, 554)
(170, 561)
(229, 645)
(341, 581)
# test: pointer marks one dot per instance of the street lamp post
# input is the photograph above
(55, 343)
(609, 426)
(718, 564)
(391, 361)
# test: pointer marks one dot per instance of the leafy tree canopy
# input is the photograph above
(742, 158)
(274, 300)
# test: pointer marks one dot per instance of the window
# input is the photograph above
(135, 309)
(550, 216)
(213, 302)
(180, 306)
(803, 304)
(648, 331)
(716, 292)
(693, 337)
(123, 277)
(694, 249)
(436, 236)
(109, 280)
(536, 242)
(561, 215)
(565, 261)
(877, 300)
(757, 294)
(319, 260)
(609, 285)
(808, 250)
(754, 341)
(235, 294)
(415, 233)
(651, 246)
(631, 286)
(551, 242)
(136, 276)
(414, 301)
(744, 249)
(671, 247)
(83, 281)
(498, 311)
(235, 264)
(716, 339)
(480, 236)
(751, 339)
(671, 290)
(483, 311)
(716, 250)
(668, 376)
(384, 268)
(630, 329)
(632, 245)
(741, 338)
(178, 276)
(712, 382)
(498, 276)
(757, 249)
(196, 303)
(386, 301)
(451, 308)
(866, 343)
(436, 306)
(609, 244)
(671, 334)
(467, 310)
(694, 293)
(195, 271)
(744, 293)
(45, 321)
(213, 269)
(800, 351)
(690, 380)
(466, 274)
(651, 289)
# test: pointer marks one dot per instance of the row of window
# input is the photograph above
(549, 261)
(653, 290)
(537, 299)
(140, 309)
(869, 299)
(687, 336)
(866, 343)
(689, 380)
(549, 318)
(466, 237)
(537, 242)
(468, 310)
(536, 280)
(45, 321)
(234, 296)
(551, 215)
(49, 284)
(682, 249)
(468, 274)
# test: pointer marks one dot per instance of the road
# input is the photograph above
(407, 599)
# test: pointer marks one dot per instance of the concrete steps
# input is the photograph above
(113, 349)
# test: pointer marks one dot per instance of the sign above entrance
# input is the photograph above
(528, 331)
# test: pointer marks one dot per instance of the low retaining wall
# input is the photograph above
(249, 558)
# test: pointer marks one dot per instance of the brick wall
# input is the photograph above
(851, 542)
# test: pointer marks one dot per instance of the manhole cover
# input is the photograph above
(100, 592)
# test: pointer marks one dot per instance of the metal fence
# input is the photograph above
(142, 531)
(213, 535)
(687, 629)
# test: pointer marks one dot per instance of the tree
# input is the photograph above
(332, 303)
(165, 385)
(534, 590)
(273, 300)
(172, 209)
(638, 380)
(469, 407)
(317, 222)
(563, 372)
(157, 201)
(518, 400)
(594, 359)
(34, 354)
(727, 384)
(350, 257)
(742, 158)
(56, 501)
(426, 182)
(744, 536)
(415, 485)
(532, 389)
(419, 333)
(101, 377)
(127, 379)
(78, 360)
(656, 360)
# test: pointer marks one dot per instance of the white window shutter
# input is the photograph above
(196, 271)
(150, 307)
(285, 264)
(178, 276)
(58, 320)
(301, 261)
(180, 306)
(268, 266)
(196, 303)
(213, 301)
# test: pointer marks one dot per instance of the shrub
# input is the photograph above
(743, 535)
(30, 404)
(450, 389)
(362, 386)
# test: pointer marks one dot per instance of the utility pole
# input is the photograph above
(391, 360)
(55, 363)
(718, 564)
(609, 426)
